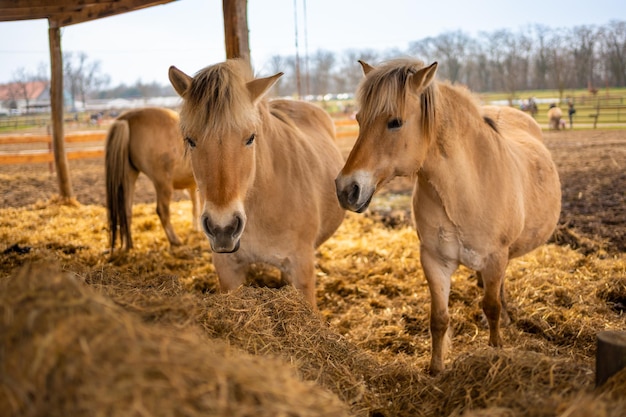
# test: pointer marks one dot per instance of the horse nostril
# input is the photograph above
(354, 193)
(207, 225)
(238, 226)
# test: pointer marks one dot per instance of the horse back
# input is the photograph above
(509, 119)
(156, 146)
(310, 118)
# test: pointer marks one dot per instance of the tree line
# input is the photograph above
(532, 58)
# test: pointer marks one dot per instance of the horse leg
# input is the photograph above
(195, 206)
(164, 197)
(505, 320)
(299, 271)
(130, 181)
(504, 315)
(438, 277)
(230, 273)
(304, 277)
(493, 276)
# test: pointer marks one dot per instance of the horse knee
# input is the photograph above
(439, 323)
(492, 309)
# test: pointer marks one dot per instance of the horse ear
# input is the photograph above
(180, 81)
(422, 78)
(366, 67)
(259, 86)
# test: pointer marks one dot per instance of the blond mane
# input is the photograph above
(384, 92)
(218, 101)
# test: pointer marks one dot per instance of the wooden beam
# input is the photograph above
(236, 29)
(56, 104)
(66, 12)
(99, 11)
(610, 354)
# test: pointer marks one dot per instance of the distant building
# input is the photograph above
(22, 98)
(34, 97)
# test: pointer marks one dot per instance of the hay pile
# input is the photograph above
(69, 352)
(367, 351)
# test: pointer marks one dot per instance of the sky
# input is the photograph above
(141, 45)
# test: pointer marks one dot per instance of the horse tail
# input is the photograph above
(117, 168)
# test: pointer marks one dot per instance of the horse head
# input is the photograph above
(396, 119)
(221, 126)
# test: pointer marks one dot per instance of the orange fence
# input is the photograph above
(46, 155)
(346, 128)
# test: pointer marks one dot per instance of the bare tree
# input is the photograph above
(450, 49)
(321, 72)
(82, 76)
(583, 42)
(279, 64)
(613, 44)
(19, 88)
(541, 58)
(349, 73)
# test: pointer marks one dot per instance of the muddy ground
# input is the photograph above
(591, 163)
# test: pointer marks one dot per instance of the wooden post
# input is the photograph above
(56, 105)
(236, 29)
(611, 354)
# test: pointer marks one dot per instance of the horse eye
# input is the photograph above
(190, 142)
(394, 124)
(250, 140)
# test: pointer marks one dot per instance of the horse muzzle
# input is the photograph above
(354, 195)
(224, 238)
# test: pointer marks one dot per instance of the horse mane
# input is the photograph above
(384, 92)
(218, 101)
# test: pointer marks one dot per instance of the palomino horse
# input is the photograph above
(265, 171)
(486, 188)
(554, 117)
(146, 140)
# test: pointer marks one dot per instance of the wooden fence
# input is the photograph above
(45, 155)
(345, 128)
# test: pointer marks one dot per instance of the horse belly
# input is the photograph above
(542, 204)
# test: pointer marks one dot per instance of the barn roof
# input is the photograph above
(69, 12)
(34, 90)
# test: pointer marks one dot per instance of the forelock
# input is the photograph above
(217, 100)
(383, 90)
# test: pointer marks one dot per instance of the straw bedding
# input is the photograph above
(147, 333)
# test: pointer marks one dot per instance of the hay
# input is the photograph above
(69, 352)
(369, 345)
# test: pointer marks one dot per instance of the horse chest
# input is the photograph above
(439, 234)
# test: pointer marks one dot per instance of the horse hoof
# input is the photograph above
(435, 368)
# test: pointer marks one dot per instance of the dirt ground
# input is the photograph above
(591, 163)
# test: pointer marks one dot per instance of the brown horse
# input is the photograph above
(486, 188)
(265, 171)
(146, 140)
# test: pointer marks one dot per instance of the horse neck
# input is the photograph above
(460, 135)
(266, 159)
(459, 126)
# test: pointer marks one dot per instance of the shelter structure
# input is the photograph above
(62, 13)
